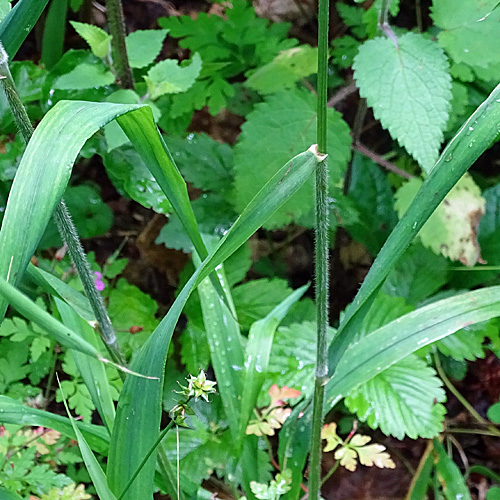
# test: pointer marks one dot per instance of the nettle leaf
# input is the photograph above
(98, 40)
(417, 275)
(85, 76)
(403, 400)
(285, 70)
(409, 89)
(168, 77)
(257, 298)
(468, 27)
(204, 162)
(92, 217)
(144, 46)
(129, 174)
(452, 229)
(280, 127)
(372, 195)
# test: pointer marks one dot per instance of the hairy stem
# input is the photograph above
(67, 229)
(383, 22)
(321, 257)
(116, 22)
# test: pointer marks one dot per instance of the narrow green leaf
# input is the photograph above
(258, 351)
(43, 319)
(14, 412)
(139, 406)
(450, 477)
(93, 467)
(91, 370)
(19, 22)
(46, 166)
(474, 137)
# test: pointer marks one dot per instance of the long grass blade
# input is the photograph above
(139, 406)
(474, 137)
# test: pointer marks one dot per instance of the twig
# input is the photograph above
(342, 94)
(381, 161)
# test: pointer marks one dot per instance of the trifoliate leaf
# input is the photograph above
(85, 76)
(143, 47)
(279, 128)
(168, 77)
(418, 274)
(329, 432)
(469, 342)
(409, 89)
(98, 40)
(347, 457)
(452, 229)
(401, 400)
(285, 70)
(129, 174)
(468, 28)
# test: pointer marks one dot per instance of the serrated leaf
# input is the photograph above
(347, 457)
(373, 454)
(92, 217)
(467, 29)
(329, 432)
(167, 77)
(85, 76)
(372, 196)
(98, 40)
(401, 400)
(281, 126)
(257, 298)
(452, 229)
(284, 70)
(144, 46)
(409, 89)
(204, 162)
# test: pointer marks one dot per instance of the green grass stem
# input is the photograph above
(116, 23)
(321, 257)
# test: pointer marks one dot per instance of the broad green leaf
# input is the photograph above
(258, 351)
(144, 46)
(92, 465)
(283, 125)
(409, 89)
(468, 27)
(85, 76)
(257, 298)
(19, 22)
(418, 274)
(128, 173)
(284, 70)
(474, 137)
(401, 400)
(50, 161)
(167, 77)
(371, 193)
(15, 412)
(9, 495)
(139, 406)
(449, 475)
(98, 40)
(452, 229)
(92, 217)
